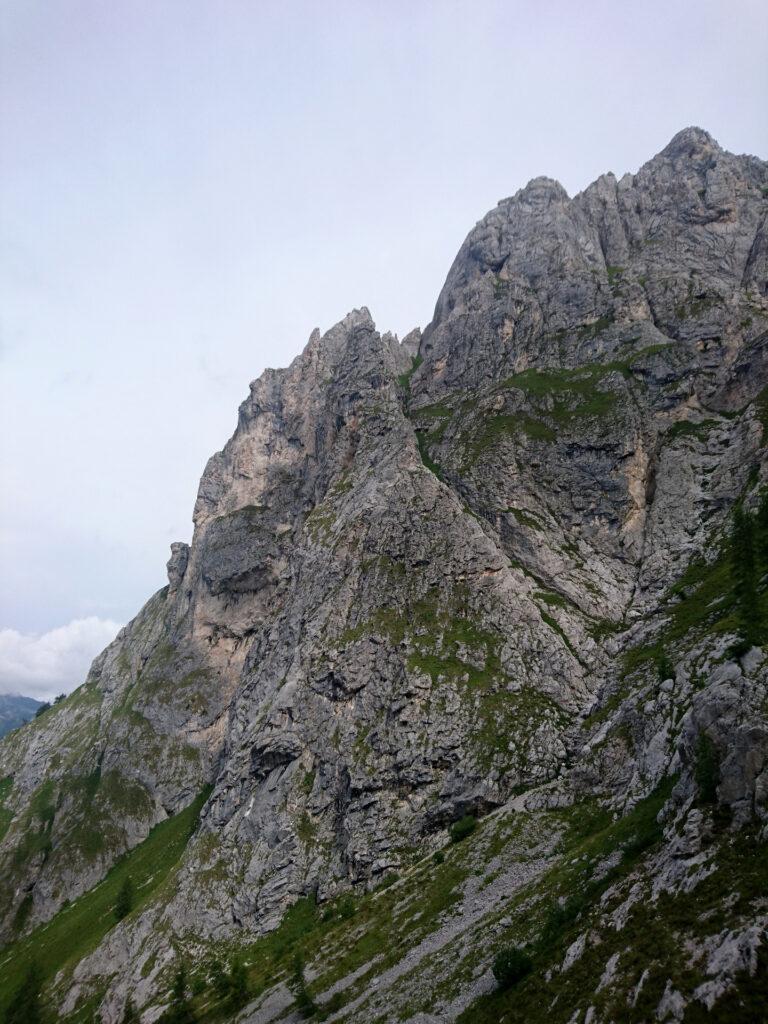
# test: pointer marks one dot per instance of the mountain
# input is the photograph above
(456, 707)
(15, 711)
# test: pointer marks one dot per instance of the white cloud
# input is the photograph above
(54, 662)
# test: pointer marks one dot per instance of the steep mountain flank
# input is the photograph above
(482, 575)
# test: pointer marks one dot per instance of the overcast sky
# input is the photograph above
(190, 186)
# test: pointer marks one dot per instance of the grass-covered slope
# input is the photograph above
(609, 945)
(572, 887)
(79, 927)
(85, 780)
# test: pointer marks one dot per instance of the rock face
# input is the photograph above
(415, 570)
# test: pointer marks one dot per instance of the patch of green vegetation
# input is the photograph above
(350, 932)
(6, 815)
(80, 926)
(125, 899)
(438, 410)
(726, 595)
(569, 900)
(555, 625)
(437, 623)
(96, 804)
(35, 826)
(761, 406)
(706, 769)
(307, 782)
(440, 634)
(431, 422)
(614, 274)
(422, 440)
(602, 628)
(494, 428)
(404, 380)
(562, 396)
(501, 714)
(644, 353)
(23, 911)
(305, 829)
(551, 598)
(342, 486)
(525, 518)
(693, 305)
(462, 828)
(686, 428)
(534, 428)
(319, 522)
(389, 879)
(42, 804)
(701, 600)
(596, 328)
(573, 393)
(510, 966)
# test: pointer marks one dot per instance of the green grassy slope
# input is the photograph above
(77, 929)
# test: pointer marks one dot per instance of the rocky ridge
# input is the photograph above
(437, 578)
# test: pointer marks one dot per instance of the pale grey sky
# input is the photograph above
(188, 187)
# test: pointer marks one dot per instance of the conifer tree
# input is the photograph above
(238, 985)
(219, 979)
(305, 1004)
(762, 534)
(181, 1008)
(744, 571)
(129, 1013)
(124, 901)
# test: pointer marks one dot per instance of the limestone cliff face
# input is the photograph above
(415, 569)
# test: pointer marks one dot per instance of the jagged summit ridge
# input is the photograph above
(689, 219)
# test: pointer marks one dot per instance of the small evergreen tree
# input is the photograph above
(238, 985)
(744, 572)
(180, 1011)
(762, 533)
(305, 1004)
(462, 828)
(511, 965)
(219, 979)
(25, 1006)
(706, 769)
(664, 667)
(129, 1013)
(124, 901)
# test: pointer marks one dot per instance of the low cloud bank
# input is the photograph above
(55, 662)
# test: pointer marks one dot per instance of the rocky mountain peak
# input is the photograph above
(539, 193)
(691, 144)
(464, 665)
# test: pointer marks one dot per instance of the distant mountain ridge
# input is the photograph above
(15, 710)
